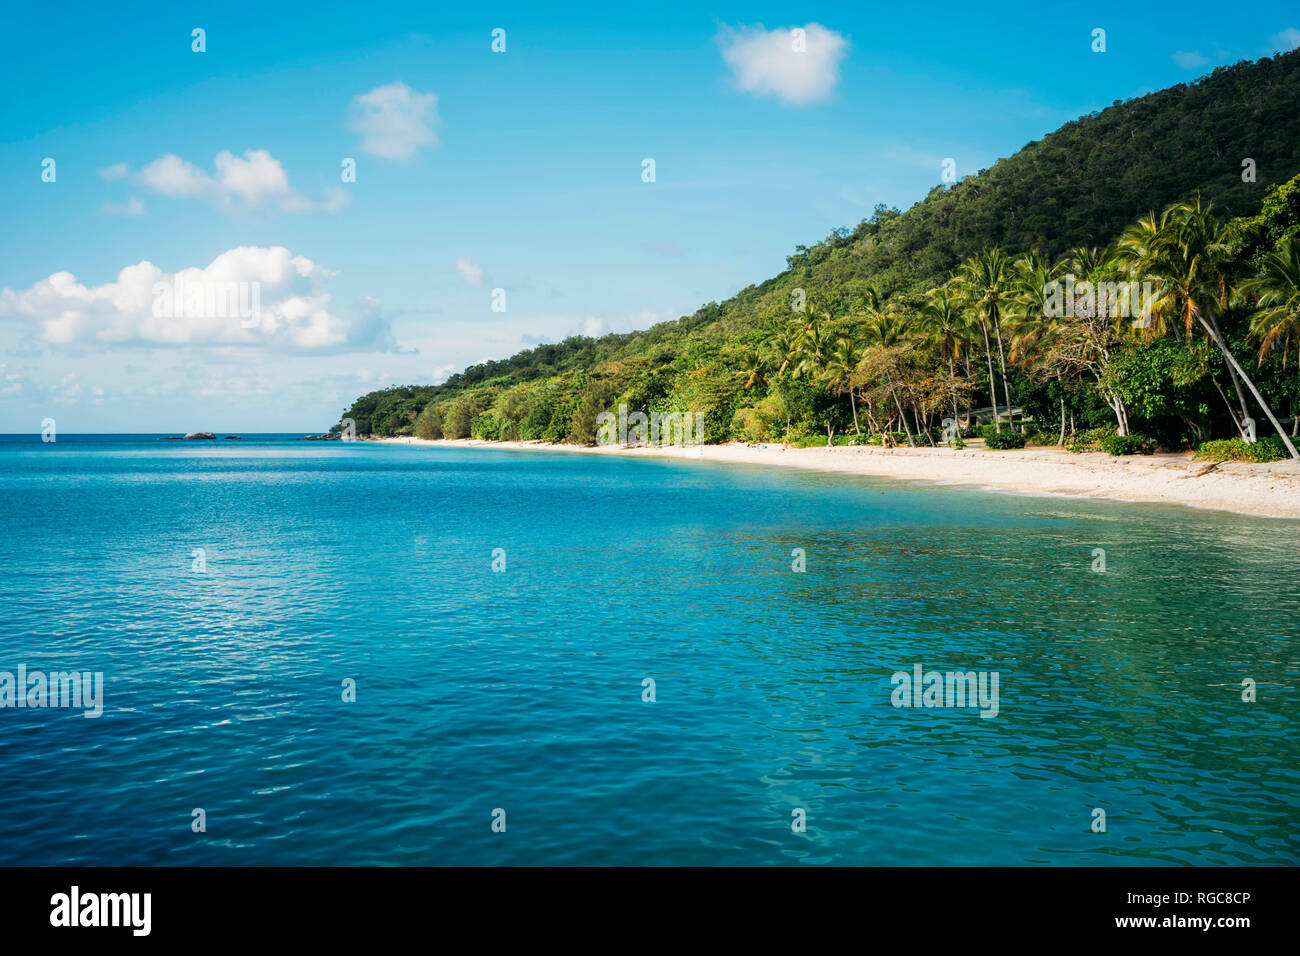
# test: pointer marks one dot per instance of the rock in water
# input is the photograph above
(201, 435)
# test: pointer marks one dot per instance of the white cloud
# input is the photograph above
(768, 63)
(110, 173)
(238, 184)
(471, 273)
(132, 207)
(1285, 41)
(292, 307)
(395, 121)
(593, 327)
(1189, 60)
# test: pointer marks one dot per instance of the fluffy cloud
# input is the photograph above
(471, 273)
(237, 184)
(395, 121)
(772, 63)
(246, 297)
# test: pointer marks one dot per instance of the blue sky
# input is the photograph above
(477, 171)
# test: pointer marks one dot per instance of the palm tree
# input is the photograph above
(944, 329)
(783, 351)
(1277, 293)
(1277, 288)
(1031, 321)
(1191, 259)
(814, 357)
(984, 285)
(753, 370)
(887, 334)
(842, 363)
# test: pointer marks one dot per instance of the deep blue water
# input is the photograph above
(522, 689)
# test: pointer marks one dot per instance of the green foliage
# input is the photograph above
(763, 422)
(990, 430)
(1128, 445)
(428, 424)
(1090, 440)
(597, 396)
(1007, 439)
(1152, 377)
(1268, 448)
(458, 415)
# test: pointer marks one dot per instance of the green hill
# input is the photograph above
(1079, 186)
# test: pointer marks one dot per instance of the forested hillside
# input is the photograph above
(908, 314)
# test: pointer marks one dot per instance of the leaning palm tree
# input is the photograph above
(1195, 256)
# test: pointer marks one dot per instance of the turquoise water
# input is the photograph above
(522, 689)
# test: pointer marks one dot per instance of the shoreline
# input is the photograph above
(1269, 490)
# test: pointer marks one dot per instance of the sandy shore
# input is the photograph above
(1267, 490)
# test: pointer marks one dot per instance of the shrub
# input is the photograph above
(1128, 445)
(1268, 448)
(1090, 440)
(1005, 440)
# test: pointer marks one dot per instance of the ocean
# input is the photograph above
(328, 653)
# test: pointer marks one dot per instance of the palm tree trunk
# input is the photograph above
(993, 385)
(1241, 396)
(952, 380)
(1002, 360)
(854, 405)
(1218, 340)
(901, 416)
(1061, 441)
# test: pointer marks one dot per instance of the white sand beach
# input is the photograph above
(1266, 490)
